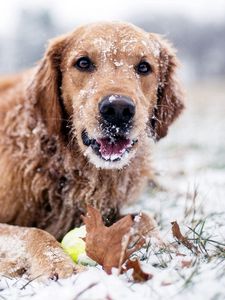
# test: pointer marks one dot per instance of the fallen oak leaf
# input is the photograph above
(110, 246)
(131, 242)
(181, 238)
(144, 226)
(138, 274)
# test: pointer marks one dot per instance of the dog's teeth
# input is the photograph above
(112, 157)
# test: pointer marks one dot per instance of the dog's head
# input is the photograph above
(113, 85)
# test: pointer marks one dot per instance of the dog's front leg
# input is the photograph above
(33, 253)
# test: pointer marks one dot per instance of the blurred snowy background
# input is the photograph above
(196, 28)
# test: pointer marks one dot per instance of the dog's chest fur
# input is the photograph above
(57, 181)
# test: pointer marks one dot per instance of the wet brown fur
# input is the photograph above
(46, 178)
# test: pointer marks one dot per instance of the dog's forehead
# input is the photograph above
(114, 37)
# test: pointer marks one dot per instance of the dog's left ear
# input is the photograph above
(44, 90)
(169, 93)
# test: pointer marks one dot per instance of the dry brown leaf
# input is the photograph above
(181, 238)
(138, 274)
(108, 246)
(186, 264)
(180, 254)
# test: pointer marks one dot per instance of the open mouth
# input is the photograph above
(109, 148)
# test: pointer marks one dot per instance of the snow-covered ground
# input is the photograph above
(190, 167)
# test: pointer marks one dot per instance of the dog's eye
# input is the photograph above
(143, 68)
(84, 64)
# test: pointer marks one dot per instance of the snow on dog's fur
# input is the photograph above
(56, 154)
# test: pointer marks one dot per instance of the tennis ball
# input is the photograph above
(74, 245)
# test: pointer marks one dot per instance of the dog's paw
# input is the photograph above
(62, 273)
(33, 254)
(55, 271)
(47, 258)
(54, 266)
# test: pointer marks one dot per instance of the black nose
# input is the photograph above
(117, 109)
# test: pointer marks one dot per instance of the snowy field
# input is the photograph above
(190, 169)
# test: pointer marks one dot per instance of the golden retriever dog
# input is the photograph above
(76, 130)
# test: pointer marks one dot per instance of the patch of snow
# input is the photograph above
(113, 98)
(118, 63)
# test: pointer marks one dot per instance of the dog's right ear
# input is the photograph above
(44, 91)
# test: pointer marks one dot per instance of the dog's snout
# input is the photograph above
(117, 109)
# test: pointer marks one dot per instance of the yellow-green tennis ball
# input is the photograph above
(74, 245)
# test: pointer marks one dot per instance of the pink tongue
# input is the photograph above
(108, 148)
